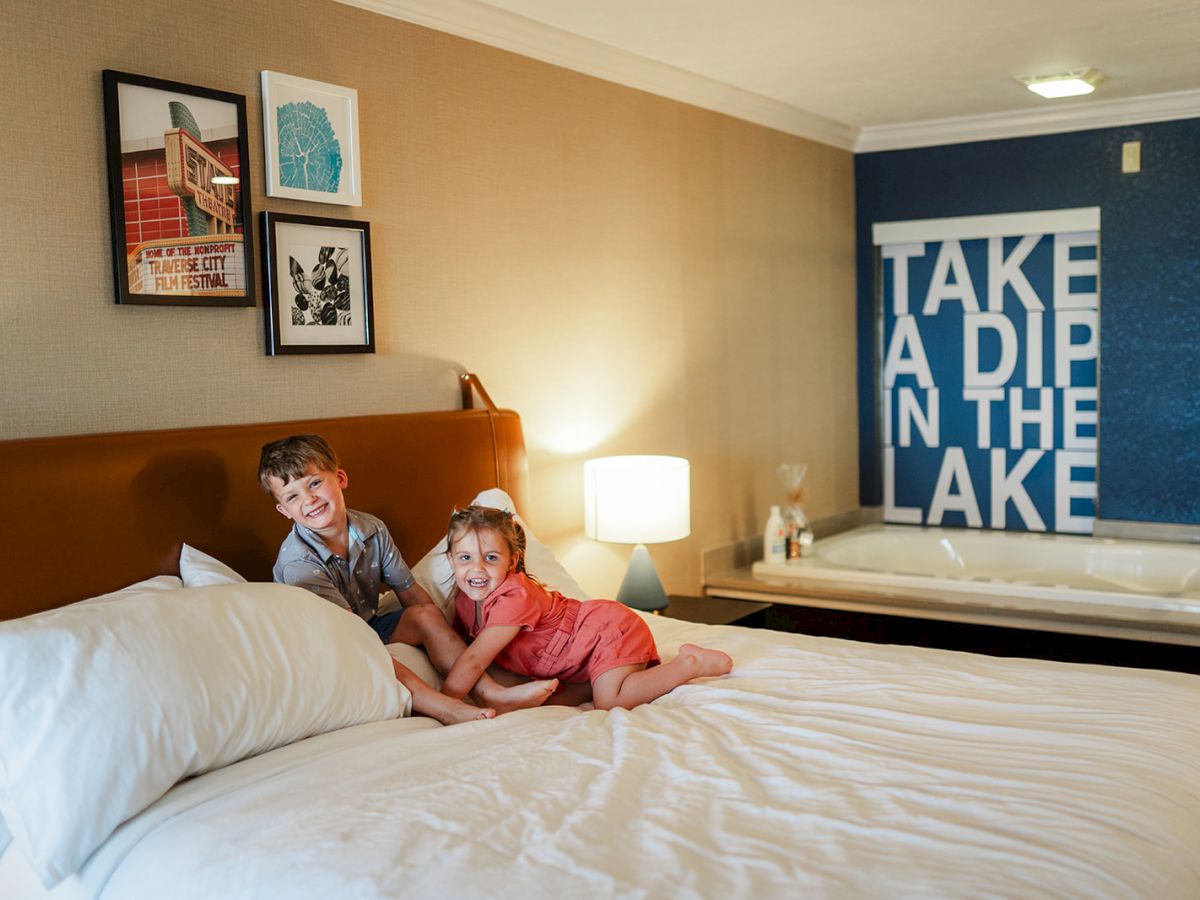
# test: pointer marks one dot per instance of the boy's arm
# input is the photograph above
(413, 595)
(395, 573)
(476, 658)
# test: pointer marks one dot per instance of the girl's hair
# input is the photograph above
(288, 458)
(502, 521)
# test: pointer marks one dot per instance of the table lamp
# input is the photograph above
(638, 500)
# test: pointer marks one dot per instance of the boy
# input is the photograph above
(344, 556)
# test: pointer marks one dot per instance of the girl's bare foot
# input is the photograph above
(705, 662)
(428, 702)
(449, 711)
(518, 696)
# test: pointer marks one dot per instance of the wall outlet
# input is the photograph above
(1131, 157)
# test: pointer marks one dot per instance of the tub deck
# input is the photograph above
(1026, 582)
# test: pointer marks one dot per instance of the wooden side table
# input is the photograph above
(718, 611)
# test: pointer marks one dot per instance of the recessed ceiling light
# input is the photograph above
(1065, 84)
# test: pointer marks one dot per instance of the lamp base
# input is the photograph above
(641, 588)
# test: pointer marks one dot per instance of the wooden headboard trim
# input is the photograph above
(471, 388)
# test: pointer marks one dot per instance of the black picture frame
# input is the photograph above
(179, 237)
(318, 296)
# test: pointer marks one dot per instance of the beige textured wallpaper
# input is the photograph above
(632, 274)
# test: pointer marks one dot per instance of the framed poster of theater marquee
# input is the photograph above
(177, 166)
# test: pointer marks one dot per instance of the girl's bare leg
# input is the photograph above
(506, 698)
(505, 678)
(428, 702)
(425, 625)
(630, 686)
(572, 694)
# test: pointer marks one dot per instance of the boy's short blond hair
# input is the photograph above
(289, 457)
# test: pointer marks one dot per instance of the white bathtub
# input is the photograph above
(1104, 586)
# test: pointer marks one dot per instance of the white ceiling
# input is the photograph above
(861, 74)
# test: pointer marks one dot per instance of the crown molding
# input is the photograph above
(500, 28)
(1080, 116)
(508, 31)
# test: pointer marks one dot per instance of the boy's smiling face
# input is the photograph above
(313, 500)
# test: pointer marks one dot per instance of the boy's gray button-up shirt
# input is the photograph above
(353, 584)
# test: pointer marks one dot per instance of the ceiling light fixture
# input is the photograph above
(1065, 84)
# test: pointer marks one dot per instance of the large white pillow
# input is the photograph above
(435, 574)
(157, 583)
(107, 705)
(200, 570)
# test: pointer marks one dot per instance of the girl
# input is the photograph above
(527, 629)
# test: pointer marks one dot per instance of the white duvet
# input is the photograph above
(819, 768)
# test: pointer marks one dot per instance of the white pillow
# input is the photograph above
(435, 574)
(157, 583)
(107, 705)
(199, 569)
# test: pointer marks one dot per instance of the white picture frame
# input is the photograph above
(310, 140)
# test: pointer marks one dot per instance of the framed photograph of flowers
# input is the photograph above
(177, 163)
(317, 276)
(310, 138)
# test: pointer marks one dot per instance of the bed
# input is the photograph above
(265, 754)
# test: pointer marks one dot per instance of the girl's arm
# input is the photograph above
(476, 658)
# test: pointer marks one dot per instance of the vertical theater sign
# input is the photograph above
(989, 347)
(177, 157)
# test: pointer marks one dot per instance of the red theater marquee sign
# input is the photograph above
(176, 157)
(197, 267)
(191, 169)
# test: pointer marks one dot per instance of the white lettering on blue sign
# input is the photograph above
(951, 281)
(969, 409)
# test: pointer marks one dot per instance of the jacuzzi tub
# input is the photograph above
(1136, 586)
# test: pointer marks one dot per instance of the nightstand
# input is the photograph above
(718, 611)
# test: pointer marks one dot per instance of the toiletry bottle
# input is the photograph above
(793, 538)
(799, 535)
(806, 541)
(775, 538)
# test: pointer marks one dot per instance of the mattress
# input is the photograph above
(819, 767)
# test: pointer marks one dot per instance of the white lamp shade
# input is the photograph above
(637, 499)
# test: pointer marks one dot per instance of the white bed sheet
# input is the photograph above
(818, 768)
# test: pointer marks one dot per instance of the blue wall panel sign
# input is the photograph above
(990, 397)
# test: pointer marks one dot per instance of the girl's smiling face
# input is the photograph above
(481, 560)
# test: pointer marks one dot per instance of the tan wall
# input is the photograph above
(630, 273)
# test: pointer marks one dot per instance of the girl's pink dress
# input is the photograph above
(571, 640)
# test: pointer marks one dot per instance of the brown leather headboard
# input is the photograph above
(91, 513)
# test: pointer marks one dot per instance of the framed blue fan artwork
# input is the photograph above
(310, 138)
